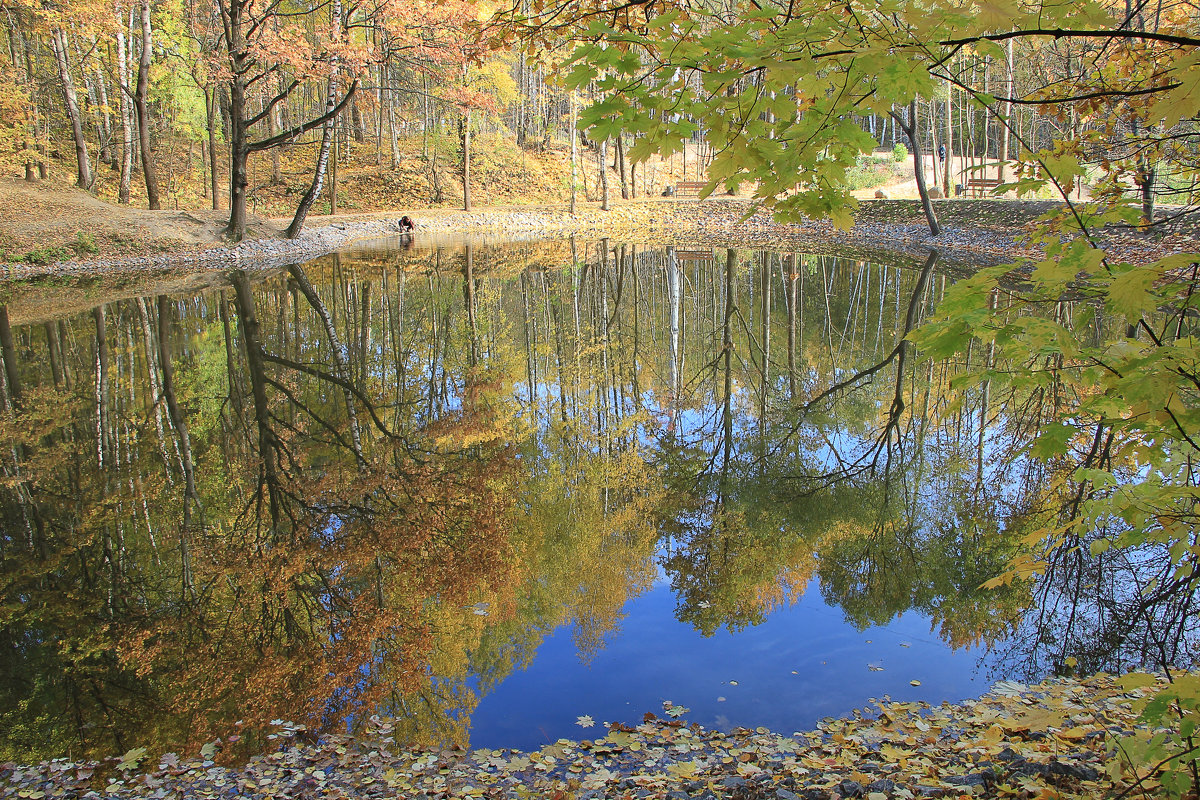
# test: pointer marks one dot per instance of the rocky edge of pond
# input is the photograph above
(974, 232)
(1059, 738)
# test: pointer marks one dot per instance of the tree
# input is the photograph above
(140, 97)
(257, 44)
(71, 103)
(773, 88)
(909, 126)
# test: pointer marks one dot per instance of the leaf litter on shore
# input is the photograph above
(1054, 739)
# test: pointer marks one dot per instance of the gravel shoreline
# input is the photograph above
(974, 233)
(718, 221)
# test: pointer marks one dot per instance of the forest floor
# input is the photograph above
(1062, 738)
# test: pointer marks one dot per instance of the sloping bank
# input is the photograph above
(971, 232)
(1055, 739)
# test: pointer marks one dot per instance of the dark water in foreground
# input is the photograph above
(489, 491)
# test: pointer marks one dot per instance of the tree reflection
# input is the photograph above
(375, 483)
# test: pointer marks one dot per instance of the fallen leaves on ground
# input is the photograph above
(1053, 739)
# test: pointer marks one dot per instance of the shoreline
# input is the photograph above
(717, 221)
(1057, 736)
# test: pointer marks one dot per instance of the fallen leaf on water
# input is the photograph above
(914, 683)
(584, 721)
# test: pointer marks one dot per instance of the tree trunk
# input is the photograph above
(210, 112)
(314, 189)
(126, 115)
(523, 94)
(106, 116)
(333, 169)
(1006, 122)
(379, 106)
(143, 113)
(1145, 182)
(272, 129)
(621, 167)
(356, 122)
(9, 350)
(238, 155)
(949, 121)
(574, 154)
(603, 161)
(185, 443)
(464, 132)
(268, 443)
(84, 165)
(93, 81)
(394, 143)
(910, 130)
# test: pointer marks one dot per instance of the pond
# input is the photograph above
(498, 493)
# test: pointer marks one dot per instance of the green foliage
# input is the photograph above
(45, 255)
(1109, 350)
(1166, 752)
(899, 152)
(868, 172)
(84, 244)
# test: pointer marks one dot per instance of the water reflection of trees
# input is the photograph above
(378, 482)
(294, 499)
(270, 555)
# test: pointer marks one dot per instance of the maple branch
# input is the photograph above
(1090, 96)
(1061, 33)
(1137, 784)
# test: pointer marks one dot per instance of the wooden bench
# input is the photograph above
(689, 188)
(701, 256)
(979, 187)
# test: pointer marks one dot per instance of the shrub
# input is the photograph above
(84, 245)
(868, 172)
(899, 152)
(45, 255)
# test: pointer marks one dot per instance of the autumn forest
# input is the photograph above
(894, 389)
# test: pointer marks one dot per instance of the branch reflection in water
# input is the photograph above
(377, 482)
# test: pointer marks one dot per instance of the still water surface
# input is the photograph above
(489, 490)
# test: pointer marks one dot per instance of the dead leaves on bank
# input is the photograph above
(1052, 740)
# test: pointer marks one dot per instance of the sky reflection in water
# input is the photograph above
(384, 520)
(803, 663)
